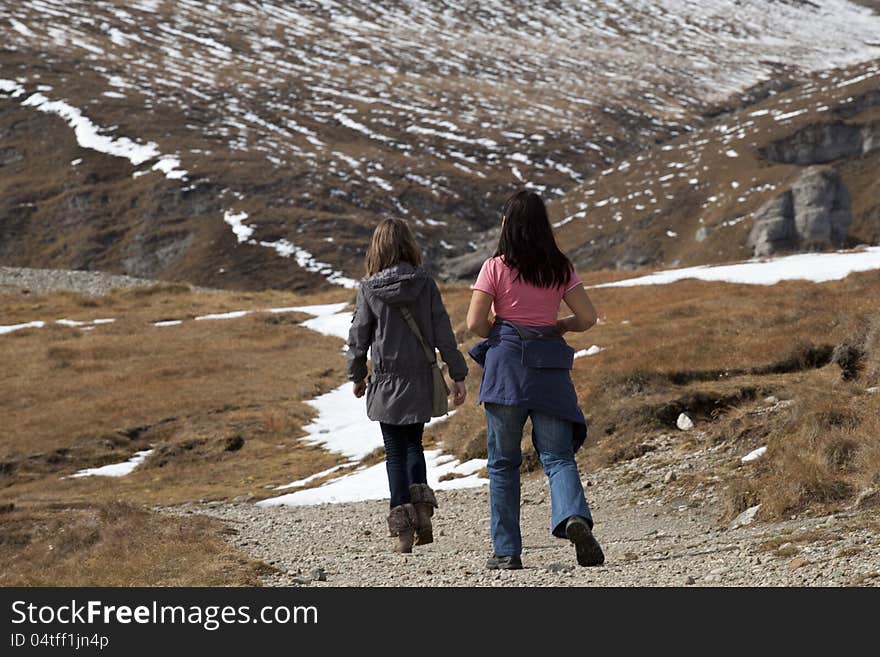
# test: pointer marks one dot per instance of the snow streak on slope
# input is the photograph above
(816, 267)
(91, 136)
(116, 469)
(356, 109)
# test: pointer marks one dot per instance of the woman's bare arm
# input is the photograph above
(478, 314)
(585, 315)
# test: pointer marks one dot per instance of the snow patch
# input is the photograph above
(115, 469)
(815, 267)
(17, 327)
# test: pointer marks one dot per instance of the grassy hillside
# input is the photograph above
(222, 404)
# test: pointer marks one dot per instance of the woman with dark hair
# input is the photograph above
(526, 364)
(397, 298)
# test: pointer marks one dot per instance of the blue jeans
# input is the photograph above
(404, 459)
(554, 442)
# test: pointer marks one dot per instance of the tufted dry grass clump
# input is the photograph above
(118, 544)
(820, 457)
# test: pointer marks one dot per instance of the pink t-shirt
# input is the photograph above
(518, 301)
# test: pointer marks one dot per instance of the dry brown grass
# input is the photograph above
(79, 399)
(221, 402)
(118, 544)
(819, 458)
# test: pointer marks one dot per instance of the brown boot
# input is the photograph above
(402, 524)
(425, 502)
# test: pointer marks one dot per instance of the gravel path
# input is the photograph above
(42, 281)
(654, 533)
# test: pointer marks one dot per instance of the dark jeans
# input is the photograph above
(404, 459)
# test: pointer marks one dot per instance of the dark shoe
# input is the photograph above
(578, 531)
(504, 563)
(425, 502)
(402, 524)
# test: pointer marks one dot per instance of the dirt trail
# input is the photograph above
(653, 532)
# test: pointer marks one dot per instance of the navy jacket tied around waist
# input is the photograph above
(529, 367)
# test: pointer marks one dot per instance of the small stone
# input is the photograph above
(746, 517)
(873, 389)
(800, 562)
(720, 570)
(559, 568)
(684, 422)
(868, 499)
(689, 581)
(302, 581)
(755, 454)
(772, 399)
(318, 574)
(712, 578)
(670, 477)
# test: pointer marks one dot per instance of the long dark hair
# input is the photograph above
(527, 243)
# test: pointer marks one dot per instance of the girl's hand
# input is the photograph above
(459, 390)
(360, 387)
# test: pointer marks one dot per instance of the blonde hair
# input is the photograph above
(392, 242)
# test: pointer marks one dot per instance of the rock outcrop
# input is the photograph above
(821, 143)
(814, 214)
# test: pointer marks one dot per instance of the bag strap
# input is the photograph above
(414, 327)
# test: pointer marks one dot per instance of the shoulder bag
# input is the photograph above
(440, 392)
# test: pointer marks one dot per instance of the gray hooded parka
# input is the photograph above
(400, 385)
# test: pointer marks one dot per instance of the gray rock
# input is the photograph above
(868, 499)
(670, 477)
(822, 213)
(773, 229)
(746, 517)
(559, 568)
(817, 144)
(318, 574)
(684, 422)
(814, 214)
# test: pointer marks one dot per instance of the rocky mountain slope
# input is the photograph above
(255, 144)
(797, 171)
